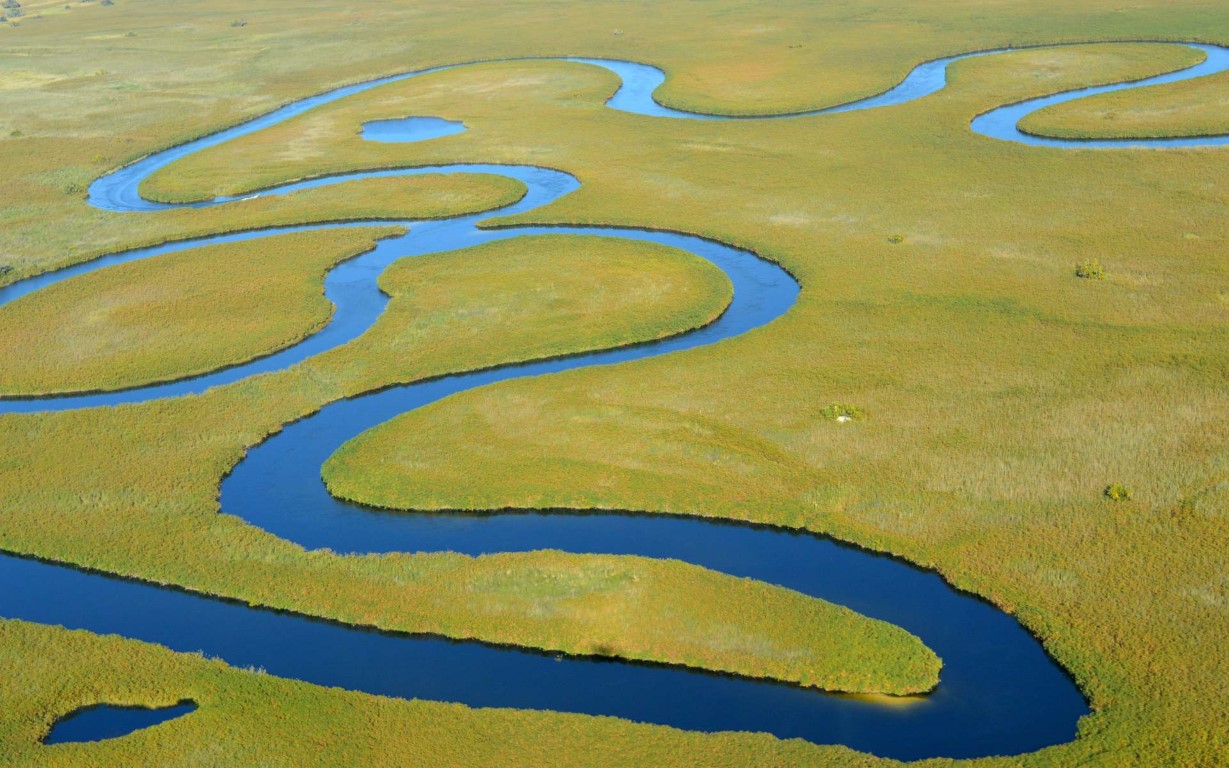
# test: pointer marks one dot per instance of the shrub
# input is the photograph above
(1117, 492)
(896, 239)
(73, 188)
(239, 23)
(1090, 269)
(841, 412)
(5, 269)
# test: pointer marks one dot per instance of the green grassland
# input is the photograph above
(487, 305)
(1190, 108)
(243, 719)
(36, 245)
(166, 318)
(1001, 393)
(609, 292)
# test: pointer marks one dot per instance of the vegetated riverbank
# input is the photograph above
(427, 196)
(769, 292)
(173, 316)
(607, 291)
(1066, 373)
(335, 148)
(247, 718)
(1189, 108)
(601, 291)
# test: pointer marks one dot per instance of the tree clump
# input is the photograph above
(841, 412)
(1117, 492)
(1090, 269)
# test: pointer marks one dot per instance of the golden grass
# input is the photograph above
(173, 316)
(1197, 107)
(1002, 393)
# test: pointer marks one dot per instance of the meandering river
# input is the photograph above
(999, 692)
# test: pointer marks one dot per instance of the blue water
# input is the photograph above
(107, 721)
(410, 129)
(1001, 123)
(999, 692)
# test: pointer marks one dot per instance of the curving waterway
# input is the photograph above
(999, 692)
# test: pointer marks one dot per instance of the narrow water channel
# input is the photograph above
(999, 692)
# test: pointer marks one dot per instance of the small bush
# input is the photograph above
(73, 188)
(1117, 492)
(239, 23)
(841, 412)
(5, 269)
(1090, 270)
(896, 239)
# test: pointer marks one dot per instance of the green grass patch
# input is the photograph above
(246, 718)
(173, 316)
(1198, 107)
(1090, 269)
(1117, 492)
(841, 412)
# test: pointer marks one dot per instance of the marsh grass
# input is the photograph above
(247, 718)
(173, 316)
(999, 384)
(496, 303)
(1197, 107)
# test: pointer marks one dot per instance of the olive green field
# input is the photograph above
(997, 395)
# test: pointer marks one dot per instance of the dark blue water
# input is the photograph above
(999, 692)
(106, 721)
(969, 714)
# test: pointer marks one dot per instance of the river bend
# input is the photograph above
(999, 692)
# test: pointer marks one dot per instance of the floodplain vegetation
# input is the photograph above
(1198, 107)
(1000, 395)
(173, 316)
(487, 305)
